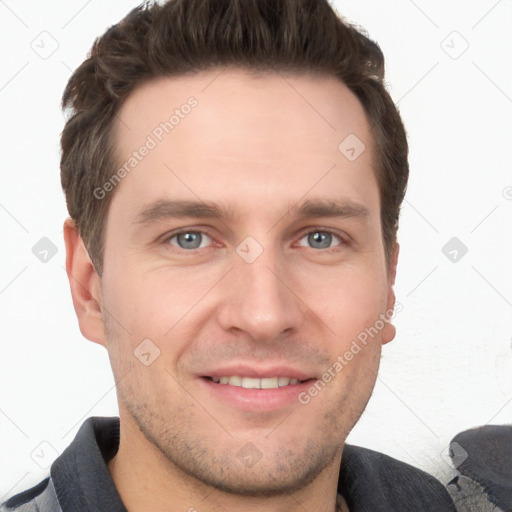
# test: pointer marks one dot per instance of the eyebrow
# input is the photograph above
(175, 209)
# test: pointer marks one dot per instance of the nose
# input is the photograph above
(260, 299)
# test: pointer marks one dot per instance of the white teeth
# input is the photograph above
(283, 381)
(247, 382)
(235, 381)
(254, 383)
(269, 383)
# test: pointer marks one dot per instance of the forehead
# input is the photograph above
(231, 134)
(250, 103)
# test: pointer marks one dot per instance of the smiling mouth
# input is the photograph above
(255, 383)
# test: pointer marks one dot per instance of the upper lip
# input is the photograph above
(258, 372)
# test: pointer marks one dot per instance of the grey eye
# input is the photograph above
(190, 240)
(319, 239)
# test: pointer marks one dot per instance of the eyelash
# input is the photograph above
(343, 240)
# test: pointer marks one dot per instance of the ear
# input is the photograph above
(389, 331)
(85, 285)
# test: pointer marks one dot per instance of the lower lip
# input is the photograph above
(260, 400)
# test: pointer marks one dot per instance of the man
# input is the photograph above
(233, 172)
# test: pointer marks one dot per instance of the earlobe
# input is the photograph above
(85, 285)
(389, 330)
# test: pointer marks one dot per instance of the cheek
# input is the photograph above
(348, 300)
(156, 305)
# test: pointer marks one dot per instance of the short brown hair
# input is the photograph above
(188, 36)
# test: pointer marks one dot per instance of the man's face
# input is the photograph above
(262, 292)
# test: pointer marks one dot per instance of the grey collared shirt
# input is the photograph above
(80, 481)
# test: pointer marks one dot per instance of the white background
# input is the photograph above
(450, 366)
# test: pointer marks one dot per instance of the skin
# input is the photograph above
(255, 146)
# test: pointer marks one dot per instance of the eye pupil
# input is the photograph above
(324, 239)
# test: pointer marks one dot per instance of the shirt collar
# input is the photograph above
(369, 481)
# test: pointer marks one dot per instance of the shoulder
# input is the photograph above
(40, 498)
(388, 480)
(386, 467)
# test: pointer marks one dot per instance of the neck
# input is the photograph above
(146, 480)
